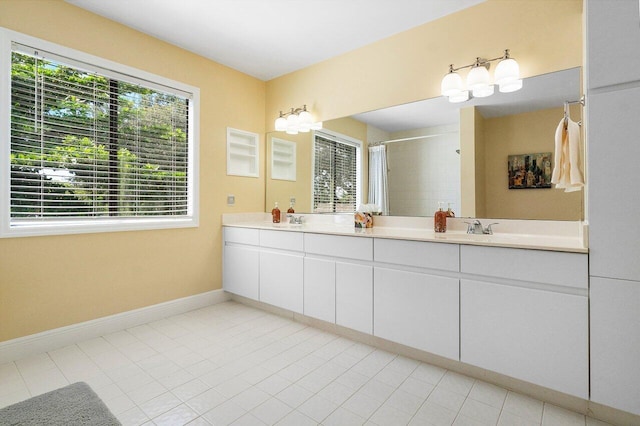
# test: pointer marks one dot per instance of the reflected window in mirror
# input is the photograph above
(337, 173)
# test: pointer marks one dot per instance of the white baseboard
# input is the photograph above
(21, 347)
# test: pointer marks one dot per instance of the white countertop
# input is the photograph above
(537, 235)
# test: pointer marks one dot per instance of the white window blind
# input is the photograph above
(89, 144)
(336, 174)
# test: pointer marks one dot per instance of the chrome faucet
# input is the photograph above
(476, 227)
(295, 220)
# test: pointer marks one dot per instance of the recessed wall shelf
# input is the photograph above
(242, 153)
(283, 159)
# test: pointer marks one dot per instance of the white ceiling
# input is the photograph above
(270, 38)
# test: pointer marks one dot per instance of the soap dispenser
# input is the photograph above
(290, 210)
(450, 212)
(275, 214)
(440, 219)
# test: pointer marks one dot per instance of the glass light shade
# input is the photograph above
(511, 86)
(292, 124)
(507, 71)
(304, 121)
(460, 97)
(478, 77)
(451, 84)
(281, 124)
(483, 91)
(316, 126)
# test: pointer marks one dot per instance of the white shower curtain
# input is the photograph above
(378, 186)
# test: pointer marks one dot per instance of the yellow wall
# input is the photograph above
(49, 282)
(409, 66)
(282, 190)
(526, 133)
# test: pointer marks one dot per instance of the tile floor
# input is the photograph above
(233, 364)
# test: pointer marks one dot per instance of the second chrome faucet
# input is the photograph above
(476, 227)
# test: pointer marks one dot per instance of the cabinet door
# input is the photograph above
(417, 310)
(613, 183)
(612, 23)
(281, 280)
(240, 271)
(320, 289)
(534, 335)
(354, 296)
(615, 345)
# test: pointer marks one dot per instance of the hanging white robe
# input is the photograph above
(566, 171)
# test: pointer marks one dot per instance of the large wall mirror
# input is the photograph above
(454, 153)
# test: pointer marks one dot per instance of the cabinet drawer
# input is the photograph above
(281, 240)
(546, 267)
(418, 253)
(242, 235)
(360, 248)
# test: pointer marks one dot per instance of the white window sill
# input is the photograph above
(29, 228)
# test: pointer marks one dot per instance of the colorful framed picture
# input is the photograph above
(530, 171)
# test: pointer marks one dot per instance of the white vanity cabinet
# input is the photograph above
(524, 313)
(241, 262)
(417, 307)
(349, 259)
(281, 269)
(518, 312)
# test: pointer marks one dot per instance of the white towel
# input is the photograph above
(566, 171)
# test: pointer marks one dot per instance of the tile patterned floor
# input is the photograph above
(233, 364)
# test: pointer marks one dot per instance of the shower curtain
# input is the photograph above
(378, 187)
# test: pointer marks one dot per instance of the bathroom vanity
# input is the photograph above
(508, 303)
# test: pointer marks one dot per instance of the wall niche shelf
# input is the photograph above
(242, 153)
(283, 159)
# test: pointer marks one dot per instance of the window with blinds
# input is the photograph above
(336, 174)
(90, 146)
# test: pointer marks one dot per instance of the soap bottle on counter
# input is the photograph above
(290, 210)
(450, 212)
(275, 214)
(440, 219)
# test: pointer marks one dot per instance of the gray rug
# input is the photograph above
(76, 404)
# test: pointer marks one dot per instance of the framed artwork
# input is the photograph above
(530, 171)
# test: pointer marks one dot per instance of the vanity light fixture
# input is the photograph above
(506, 76)
(296, 120)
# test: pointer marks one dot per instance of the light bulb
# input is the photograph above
(478, 77)
(483, 91)
(511, 86)
(451, 84)
(460, 97)
(281, 124)
(507, 71)
(304, 121)
(478, 81)
(292, 124)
